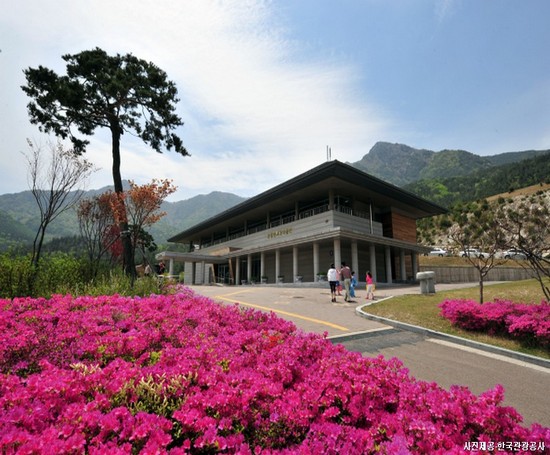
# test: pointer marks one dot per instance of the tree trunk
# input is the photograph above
(480, 288)
(127, 250)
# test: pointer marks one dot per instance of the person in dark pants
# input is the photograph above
(332, 277)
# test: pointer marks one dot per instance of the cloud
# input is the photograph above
(444, 9)
(256, 111)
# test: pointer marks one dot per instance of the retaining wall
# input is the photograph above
(470, 274)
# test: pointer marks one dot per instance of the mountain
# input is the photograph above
(12, 232)
(19, 216)
(185, 214)
(442, 177)
(401, 165)
(484, 182)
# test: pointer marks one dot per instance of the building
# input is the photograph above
(332, 213)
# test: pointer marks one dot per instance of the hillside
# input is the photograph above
(12, 232)
(484, 183)
(19, 216)
(402, 165)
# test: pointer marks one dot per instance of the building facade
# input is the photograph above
(333, 213)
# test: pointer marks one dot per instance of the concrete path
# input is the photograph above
(427, 357)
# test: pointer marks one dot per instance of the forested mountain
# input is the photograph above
(19, 216)
(443, 177)
(484, 182)
(401, 165)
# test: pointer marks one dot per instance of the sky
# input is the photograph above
(266, 86)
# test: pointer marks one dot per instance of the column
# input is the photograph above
(402, 264)
(237, 270)
(188, 273)
(372, 260)
(388, 265)
(355, 258)
(171, 267)
(414, 260)
(315, 261)
(337, 253)
(249, 268)
(277, 264)
(295, 271)
(262, 265)
(203, 273)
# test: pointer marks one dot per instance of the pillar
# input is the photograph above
(388, 265)
(277, 264)
(372, 260)
(414, 260)
(249, 268)
(355, 258)
(315, 261)
(237, 270)
(337, 253)
(203, 273)
(171, 267)
(295, 271)
(262, 265)
(403, 265)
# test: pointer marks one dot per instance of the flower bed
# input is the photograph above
(182, 374)
(529, 323)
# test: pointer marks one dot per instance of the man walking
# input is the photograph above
(345, 273)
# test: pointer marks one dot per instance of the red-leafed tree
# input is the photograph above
(138, 208)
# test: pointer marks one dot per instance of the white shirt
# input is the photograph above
(332, 275)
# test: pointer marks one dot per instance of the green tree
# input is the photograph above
(477, 227)
(526, 229)
(121, 93)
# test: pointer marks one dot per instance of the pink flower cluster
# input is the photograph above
(529, 323)
(181, 374)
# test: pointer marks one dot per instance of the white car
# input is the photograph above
(474, 253)
(438, 252)
(512, 254)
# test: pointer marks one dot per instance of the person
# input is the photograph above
(162, 268)
(338, 282)
(370, 286)
(148, 271)
(345, 273)
(332, 277)
(352, 285)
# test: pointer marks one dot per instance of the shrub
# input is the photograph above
(528, 323)
(178, 373)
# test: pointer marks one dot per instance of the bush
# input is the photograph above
(529, 323)
(62, 273)
(178, 373)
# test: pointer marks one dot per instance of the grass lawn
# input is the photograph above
(422, 310)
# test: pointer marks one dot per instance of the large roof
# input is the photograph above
(341, 177)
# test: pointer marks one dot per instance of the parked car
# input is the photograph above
(438, 252)
(511, 254)
(473, 252)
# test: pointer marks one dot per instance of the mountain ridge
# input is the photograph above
(438, 176)
(401, 164)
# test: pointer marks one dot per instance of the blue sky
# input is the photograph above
(266, 86)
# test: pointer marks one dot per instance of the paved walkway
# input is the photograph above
(428, 357)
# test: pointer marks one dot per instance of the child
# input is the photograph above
(370, 286)
(353, 283)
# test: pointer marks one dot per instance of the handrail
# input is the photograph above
(290, 219)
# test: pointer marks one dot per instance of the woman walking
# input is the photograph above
(332, 277)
